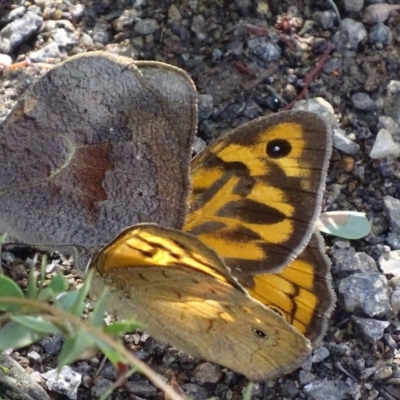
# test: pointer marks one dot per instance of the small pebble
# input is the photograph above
(350, 34)
(389, 261)
(380, 34)
(353, 5)
(365, 292)
(65, 382)
(377, 13)
(320, 354)
(46, 54)
(146, 26)
(5, 59)
(326, 390)
(372, 329)
(348, 260)
(392, 206)
(343, 143)
(384, 146)
(265, 50)
(19, 31)
(361, 101)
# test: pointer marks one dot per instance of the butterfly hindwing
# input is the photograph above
(302, 292)
(182, 292)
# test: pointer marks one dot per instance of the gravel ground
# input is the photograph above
(249, 58)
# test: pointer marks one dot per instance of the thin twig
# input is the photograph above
(311, 75)
(264, 75)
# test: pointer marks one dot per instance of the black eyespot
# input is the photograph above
(259, 334)
(140, 194)
(278, 148)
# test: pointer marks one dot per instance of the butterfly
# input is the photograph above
(231, 271)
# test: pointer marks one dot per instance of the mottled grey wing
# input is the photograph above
(95, 146)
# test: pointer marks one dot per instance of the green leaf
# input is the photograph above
(14, 336)
(67, 299)
(77, 307)
(46, 294)
(248, 391)
(120, 328)
(75, 347)
(2, 239)
(113, 356)
(58, 284)
(344, 224)
(43, 266)
(9, 288)
(32, 289)
(37, 323)
(97, 318)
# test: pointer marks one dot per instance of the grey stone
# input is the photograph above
(252, 109)
(325, 19)
(198, 145)
(18, 31)
(5, 59)
(389, 261)
(365, 292)
(377, 13)
(198, 24)
(265, 50)
(348, 260)
(146, 26)
(17, 13)
(195, 391)
(394, 284)
(207, 372)
(372, 329)
(321, 107)
(46, 53)
(127, 18)
(392, 207)
(320, 354)
(391, 126)
(16, 384)
(205, 105)
(52, 344)
(327, 390)
(65, 382)
(384, 146)
(380, 34)
(343, 143)
(100, 32)
(392, 101)
(64, 37)
(305, 377)
(361, 101)
(353, 5)
(383, 372)
(350, 34)
(100, 386)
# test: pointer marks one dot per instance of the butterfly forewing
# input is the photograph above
(257, 190)
(109, 155)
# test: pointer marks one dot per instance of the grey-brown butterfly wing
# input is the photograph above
(80, 152)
